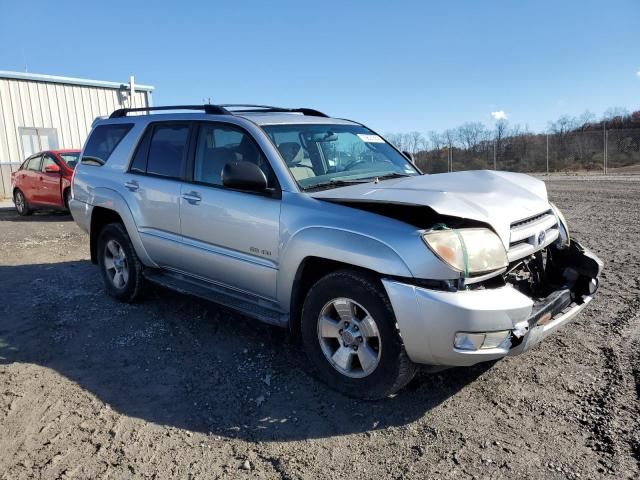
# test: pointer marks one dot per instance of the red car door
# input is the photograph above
(49, 182)
(29, 180)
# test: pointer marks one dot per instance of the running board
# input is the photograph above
(218, 294)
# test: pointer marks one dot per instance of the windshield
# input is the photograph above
(323, 156)
(70, 158)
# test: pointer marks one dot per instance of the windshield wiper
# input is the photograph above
(335, 182)
(393, 175)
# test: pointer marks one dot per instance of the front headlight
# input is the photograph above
(468, 250)
(564, 239)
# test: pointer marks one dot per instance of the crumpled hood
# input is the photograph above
(495, 198)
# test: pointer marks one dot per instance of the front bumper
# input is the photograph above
(429, 319)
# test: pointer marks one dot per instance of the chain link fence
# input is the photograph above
(614, 151)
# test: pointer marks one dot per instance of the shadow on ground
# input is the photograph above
(177, 361)
(9, 214)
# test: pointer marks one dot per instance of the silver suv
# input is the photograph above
(320, 225)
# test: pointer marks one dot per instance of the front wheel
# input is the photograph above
(119, 265)
(349, 333)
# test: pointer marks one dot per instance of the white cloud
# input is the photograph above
(499, 115)
(638, 73)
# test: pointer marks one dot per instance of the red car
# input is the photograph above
(43, 181)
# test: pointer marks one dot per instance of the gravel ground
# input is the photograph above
(176, 387)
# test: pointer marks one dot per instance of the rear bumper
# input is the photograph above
(428, 320)
(81, 213)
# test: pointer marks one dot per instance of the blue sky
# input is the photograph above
(396, 66)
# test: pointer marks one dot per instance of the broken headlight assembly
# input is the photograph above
(469, 251)
(564, 239)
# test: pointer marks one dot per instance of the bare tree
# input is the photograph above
(470, 135)
(436, 140)
(499, 135)
(415, 142)
(614, 112)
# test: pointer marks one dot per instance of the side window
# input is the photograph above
(48, 160)
(167, 149)
(34, 164)
(103, 141)
(218, 145)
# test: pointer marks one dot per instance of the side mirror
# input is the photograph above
(52, 169)
(244, 176)
(409, 155)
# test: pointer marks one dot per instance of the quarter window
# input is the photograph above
(103, 141)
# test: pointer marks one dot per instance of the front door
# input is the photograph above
(231, 236)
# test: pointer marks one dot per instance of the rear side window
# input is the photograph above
(167, 149)
(162, 150)
(103, 141)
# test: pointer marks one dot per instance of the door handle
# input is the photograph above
(132, 185)
(192, 197)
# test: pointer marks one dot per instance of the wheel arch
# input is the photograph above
(333, 250)
(108, 206)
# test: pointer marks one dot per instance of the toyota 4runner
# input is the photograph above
(320, 225)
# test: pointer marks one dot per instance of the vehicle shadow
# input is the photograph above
(9, 214)
(174, 360)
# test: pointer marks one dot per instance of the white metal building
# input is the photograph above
(40, 112)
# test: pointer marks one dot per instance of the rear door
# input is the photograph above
(29, 181)
(153, 184)
(231, 237)
(49, 183)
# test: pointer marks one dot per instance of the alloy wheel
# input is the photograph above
(349, 338)
(116, 264)
(20, 202)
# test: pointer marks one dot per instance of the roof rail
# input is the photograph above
(210, 109)
(269, 109)
(221, 109)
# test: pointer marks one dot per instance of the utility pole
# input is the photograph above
(606, 149)
(547, 154)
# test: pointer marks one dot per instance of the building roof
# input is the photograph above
(36, 77)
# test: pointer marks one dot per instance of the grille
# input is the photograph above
(532, 234)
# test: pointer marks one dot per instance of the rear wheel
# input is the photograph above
(119, 265)
(21, 204)
(350, 336)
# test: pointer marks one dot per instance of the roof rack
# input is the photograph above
(242, 108)
(210, 109)
(221, 109)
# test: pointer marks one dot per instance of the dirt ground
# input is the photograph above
(176, 387)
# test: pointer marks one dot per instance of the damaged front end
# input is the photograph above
(558, 280)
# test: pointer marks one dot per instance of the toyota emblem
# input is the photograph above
(541, 236)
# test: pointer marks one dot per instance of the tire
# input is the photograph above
(376, 362)
(20, 201)
(66, 195)
(120, 267)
